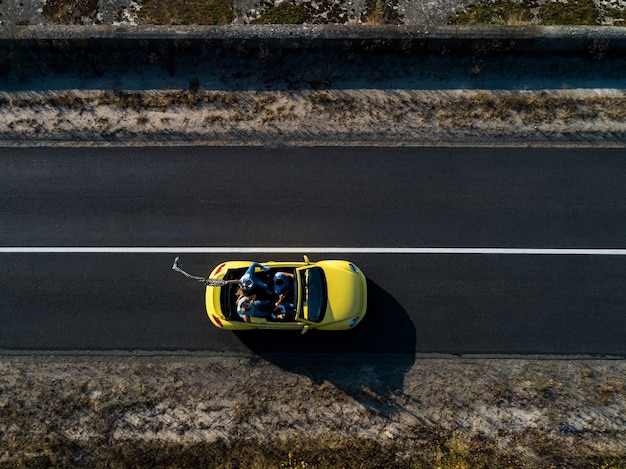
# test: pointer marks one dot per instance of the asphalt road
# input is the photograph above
(317, 197)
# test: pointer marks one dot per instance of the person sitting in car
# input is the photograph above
(283, 310)
(249, 307)
(283, 282)
(249, 280)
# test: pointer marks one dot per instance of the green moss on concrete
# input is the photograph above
(381, 12)
(70, 11)
(505, 12)
(572, 12)
(173, 12)
(283, 13)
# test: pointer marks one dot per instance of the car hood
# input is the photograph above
(346, 292)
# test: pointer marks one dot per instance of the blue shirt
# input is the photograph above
(281, 282)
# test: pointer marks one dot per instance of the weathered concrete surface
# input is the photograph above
(421, 19)
(424, 14)
(524, 38)
(111, 12)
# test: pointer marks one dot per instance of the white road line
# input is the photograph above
(311, 250)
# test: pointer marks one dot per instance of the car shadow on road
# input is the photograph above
(368, 362)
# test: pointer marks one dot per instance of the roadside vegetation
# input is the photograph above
(616, 16)
(381, 12)
(235, 411)
(312, 116)
(70, 11)
(283, 13)
(439, 449)
(232, 106)
(326, 12)
(222, 12)
(506, 12)
(177, 12)
(579, 12)
(544, 13)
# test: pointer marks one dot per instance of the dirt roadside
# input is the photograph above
(328, 117)
(114, 411)
(123, 409)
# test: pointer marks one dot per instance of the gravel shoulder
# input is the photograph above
(105, 410)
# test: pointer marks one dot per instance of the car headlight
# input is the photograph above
(354, 268)
(354, 321)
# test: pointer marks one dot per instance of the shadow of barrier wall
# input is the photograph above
(277, 57)
(368, 362)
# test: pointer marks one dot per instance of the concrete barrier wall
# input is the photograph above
(545, 39)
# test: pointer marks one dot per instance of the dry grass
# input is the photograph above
(381, 12)
(501, 12)
(336, 105)
(283, 13)
(203, 12)
(231, 412)
(528, 108)
(446, 451)
(437, 448)
(574, 12)
(322, 115)
(616, 16)
(524, 12)
(70, 11)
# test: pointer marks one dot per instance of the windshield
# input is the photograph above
(313, 300)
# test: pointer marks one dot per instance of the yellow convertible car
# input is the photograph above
(327, 295)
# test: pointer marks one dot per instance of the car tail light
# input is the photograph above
(217, 321)
(219, 269)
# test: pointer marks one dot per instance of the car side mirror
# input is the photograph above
(305, 329)
(306, 259)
